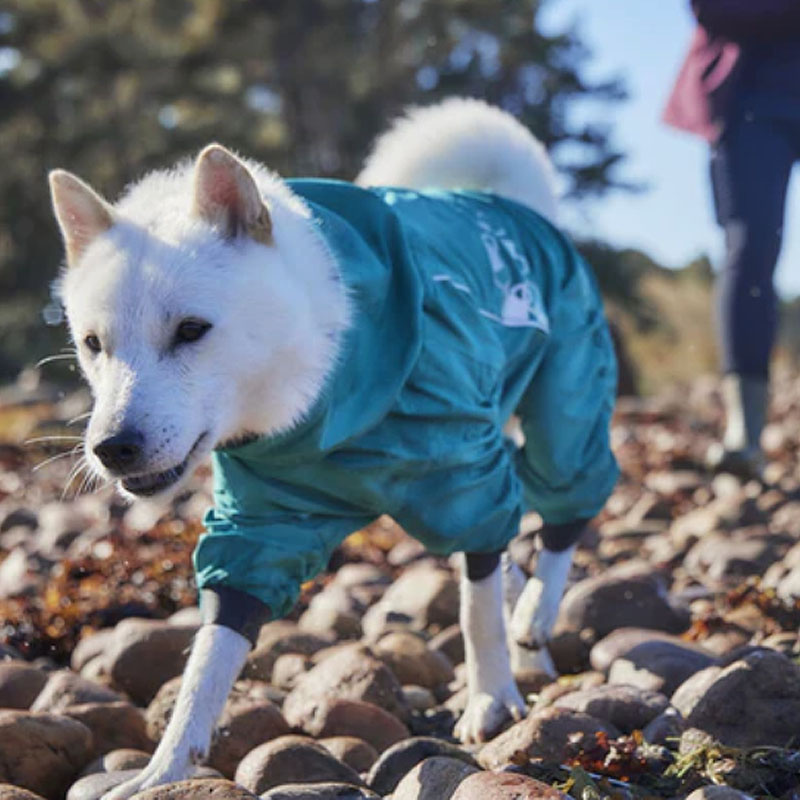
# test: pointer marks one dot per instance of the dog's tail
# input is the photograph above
(464, 144)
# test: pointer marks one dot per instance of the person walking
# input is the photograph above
(739, 88)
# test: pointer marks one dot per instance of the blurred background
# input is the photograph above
(110, 89)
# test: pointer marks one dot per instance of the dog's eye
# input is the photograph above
(93, 342)
(190, 330)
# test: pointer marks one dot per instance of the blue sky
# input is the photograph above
(644, 42)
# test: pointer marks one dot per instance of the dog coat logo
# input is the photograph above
(522, 305)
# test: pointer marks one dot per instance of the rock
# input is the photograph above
(124, 758)
(9, 792)
(319, 791)
(42, 752)
(193, 789)
(409, 658)
(570, 651)
(380, 620)
(288, 668)
(549, 734)
(351, 750)
(291, 759)
(94, 787)
(548, 695)
(625, 707)
(450, 643)
(427, 595)
(620, 641)
(406, 551)
(113, 726)
(666, 727)
(727, 557)
(505, 786)
(248, 719)
(330, 622)
(338, 717)
(18, 576)
(20, 516)
(788, 588)
(90, 647)
(275, 639)
(660, 666)
(355, 575)
(65, 688)
(418, 698)
(163, 648)
(398, 760)
(691, 691)
(718, 793)
(434, 778)
(630, 595)
(20, 683)
(762, 688)
(352, 673)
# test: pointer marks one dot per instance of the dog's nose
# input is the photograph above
(120, 452)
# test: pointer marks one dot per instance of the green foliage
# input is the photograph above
(112, 88)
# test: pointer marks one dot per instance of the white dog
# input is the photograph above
(342, 352)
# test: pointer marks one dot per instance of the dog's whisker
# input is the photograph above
(56, 457)
(74, 473)
(40, 439)
(79, 417)
(59, 357)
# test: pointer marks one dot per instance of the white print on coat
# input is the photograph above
(522, 305)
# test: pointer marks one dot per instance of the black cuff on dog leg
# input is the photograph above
(557, 538)
(237, 610)
(481, 565)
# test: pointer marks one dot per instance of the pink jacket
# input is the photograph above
(706, 81)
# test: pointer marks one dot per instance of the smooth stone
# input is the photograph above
(435, 778)
(291, 759)
(398, 760)
(42, 752)
(505, 786)
(351, 750)
(549, 734)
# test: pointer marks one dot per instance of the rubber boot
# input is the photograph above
(745, 399)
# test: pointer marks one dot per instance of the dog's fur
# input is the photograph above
(222, 241)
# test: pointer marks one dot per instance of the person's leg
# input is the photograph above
(750, 170)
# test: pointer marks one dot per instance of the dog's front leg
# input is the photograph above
(492, 694)
(217, 657)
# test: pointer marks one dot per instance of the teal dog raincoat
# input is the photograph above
(467, 307)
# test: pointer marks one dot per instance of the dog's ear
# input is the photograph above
(226, 196)
(81, 213)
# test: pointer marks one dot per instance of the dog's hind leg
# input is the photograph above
(536, 610)
(217, 657)
(492, 694)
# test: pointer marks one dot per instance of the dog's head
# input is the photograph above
(182, 320)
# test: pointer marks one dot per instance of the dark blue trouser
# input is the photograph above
(750, 168)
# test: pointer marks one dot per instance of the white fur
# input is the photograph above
(277, 313)
(492, 694)
(536, 610)
(464, 144)
(217, 657)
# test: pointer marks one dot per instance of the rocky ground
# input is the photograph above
(677, 644)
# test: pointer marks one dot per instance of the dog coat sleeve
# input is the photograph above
(269, 557)
(566, 465)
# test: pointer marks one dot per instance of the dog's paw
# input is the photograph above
(486, 712)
